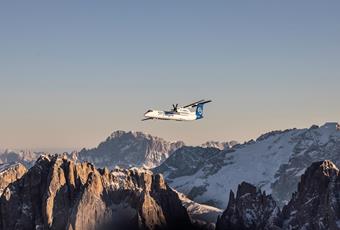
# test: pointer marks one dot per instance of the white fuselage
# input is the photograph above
(182, 114)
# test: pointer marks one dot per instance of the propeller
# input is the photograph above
(175, 107)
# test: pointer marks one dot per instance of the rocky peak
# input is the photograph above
(317, 176)
(245, 188)
(328, 168)
(10, 173)
(130, 134)
(250, 209)
(116, 134)
(316, 204)
(126, 149)
(57, 193)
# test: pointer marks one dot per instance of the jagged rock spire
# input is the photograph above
(250, 209)
(316, 204)
(57, 193)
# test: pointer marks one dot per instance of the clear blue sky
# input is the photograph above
(71, 72)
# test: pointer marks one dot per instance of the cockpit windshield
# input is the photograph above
(150, 110)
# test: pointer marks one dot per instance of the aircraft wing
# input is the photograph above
(196, 103)
(202, 103)
(146, 119)
(192, 104)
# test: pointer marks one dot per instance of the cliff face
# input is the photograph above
(56, 193)
(316, 204)
(127, 149)
(250, 209)
(10, 173)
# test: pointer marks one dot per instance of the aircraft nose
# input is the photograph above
(147, 112)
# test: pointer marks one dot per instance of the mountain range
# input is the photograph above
(58, 193)
(273, 162)
(272, 169)
(120, 149)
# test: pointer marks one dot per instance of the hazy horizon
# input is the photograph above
(78, 148)
(71, 73)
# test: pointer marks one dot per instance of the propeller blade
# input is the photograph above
(175, 107)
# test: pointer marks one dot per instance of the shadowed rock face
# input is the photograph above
(250, 209)
(316, 204)
(56, 193)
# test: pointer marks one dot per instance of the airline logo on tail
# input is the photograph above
(199, 111)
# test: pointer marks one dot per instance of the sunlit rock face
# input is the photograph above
(316, 204)
(57, 193)
(126, 149)
(10, 173)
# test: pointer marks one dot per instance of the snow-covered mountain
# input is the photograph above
(203, 216)
(274, 163)
(127, 149)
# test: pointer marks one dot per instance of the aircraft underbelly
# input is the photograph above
(176, 117)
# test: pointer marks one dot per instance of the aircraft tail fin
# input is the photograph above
(199, 111)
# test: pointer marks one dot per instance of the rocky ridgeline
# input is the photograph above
(126, 149)
(219, 145)
(57, 193)
(315, 206)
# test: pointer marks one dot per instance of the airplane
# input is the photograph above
(178, 113)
